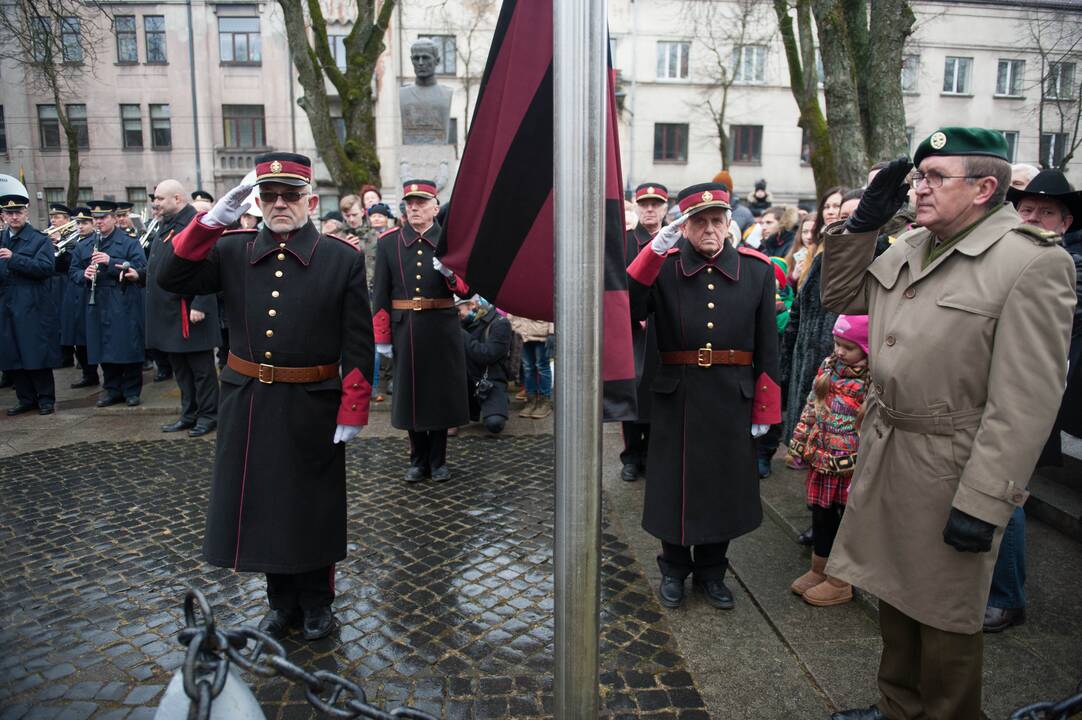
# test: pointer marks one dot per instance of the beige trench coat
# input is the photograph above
(968, 363)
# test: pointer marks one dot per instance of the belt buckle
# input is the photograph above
(706, 357)
(417, 304)
(269, 376)
(732, 356)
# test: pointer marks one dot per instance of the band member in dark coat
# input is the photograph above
(73, 309)
(414, 316)
(298, 308)
(185, 326)
(29, 322)
(59, 217)
(651, 200)
(715, 390)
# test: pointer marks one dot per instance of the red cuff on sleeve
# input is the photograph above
(645, 267)
(381, 327)
(356, 394)
(766, 407)
(458, 286)
(196, 241)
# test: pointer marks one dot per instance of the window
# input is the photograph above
(70, 40)
(613, 46)
(452, 131)
(137, 196)
(86, 194)
(77, 119)
(49, 125)
(747, 143)
(127, 47)
(244, 126)
(161, 128)
(3, 132)
(909, 132)
(1060, 83)
(448, 58)
(339, 128)
(749, 64)
(672, 60)
(239, 41)
(1009, 77)
(956, 75)
(910, 73)
(338, 50)
(1053, 148)
(671, 142)
(131, 127)
(1011, 136)
(154, 32)
(41, 31)
(805, 147)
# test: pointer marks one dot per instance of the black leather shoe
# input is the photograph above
(318, 622)
(630, 472)
(671, 591)
(85, 382)
(45, 410)
(441, 474)
(158, 377)
(201, 430)
(999, 619)
(415, 474)
(871, 713)
(277, 623)
(20, 409)
(107, 401)
(764, 468)
(717, 593)
(132, 401)
(806, 538)
(178, 426)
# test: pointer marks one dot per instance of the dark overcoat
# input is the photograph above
(430, 364)
(278, 499)
(643, 336)
(29, 318)
(73, 309)
(702, 485)
(60, 287)
(168, 325)
(487, 341)
(115, 322)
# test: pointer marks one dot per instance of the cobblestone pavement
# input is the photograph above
(445, 600)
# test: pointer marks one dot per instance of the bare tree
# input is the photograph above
(472, 22)
(352, 160)
(54, 42)
(1057, 37)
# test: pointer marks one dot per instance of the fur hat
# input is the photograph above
(853, 328)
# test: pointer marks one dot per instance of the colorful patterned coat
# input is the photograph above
(826, 435)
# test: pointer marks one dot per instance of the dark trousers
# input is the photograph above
(122, 379)
(90, 372)
(67, 356)
(1009, 577)
(161, 359)
(825, 523)
(767, 445)
(198, 382)
(428, 450)
(308, 590)
(709, 561)
(386, 375)
(34, 387)
(636, 441)
(928, 673)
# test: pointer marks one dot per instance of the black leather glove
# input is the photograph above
(883, 197)
(966, 533)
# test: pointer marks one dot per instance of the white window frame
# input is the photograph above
(1011, 136)
(672, 57)
(1056, 74)
(963, 77)
(1016, 71)
(913, 69)
(753, 57)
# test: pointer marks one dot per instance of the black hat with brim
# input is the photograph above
(1052, 184)
(98, 208)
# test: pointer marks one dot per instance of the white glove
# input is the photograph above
(445, 271)
(757, 431)
(345, 433)
(229, 207)
(666, 237)
(385, 349)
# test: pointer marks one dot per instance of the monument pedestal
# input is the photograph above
(434, 162)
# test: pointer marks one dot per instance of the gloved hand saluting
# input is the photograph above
(229, 207)
(345, 433)
(883, 197)
(441, 268)
(966, 533)
(667, 236)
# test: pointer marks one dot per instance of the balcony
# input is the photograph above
(236, 162)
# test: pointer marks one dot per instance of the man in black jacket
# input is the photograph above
(487, 337)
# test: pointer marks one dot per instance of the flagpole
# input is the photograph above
(579, 67)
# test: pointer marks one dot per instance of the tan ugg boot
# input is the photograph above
(527, 409)
(813, 577)
(831, 591)
(542, 409)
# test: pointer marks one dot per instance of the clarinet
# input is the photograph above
(94, 280)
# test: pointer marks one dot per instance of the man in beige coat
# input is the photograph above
(970, 316)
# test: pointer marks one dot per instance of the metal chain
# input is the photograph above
(1062, 710)
(210, 650)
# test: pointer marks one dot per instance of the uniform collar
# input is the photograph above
(181, 218)
(727, 261)
(642, 235)
(430, 236)
(302, 244)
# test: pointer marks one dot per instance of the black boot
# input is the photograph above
(717, 593)
(630, 472)
(318, 622)
(277, 623)
(671, 591)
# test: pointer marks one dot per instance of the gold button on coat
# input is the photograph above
(272, 312)
(270, 333)
(890, 340)
(710, 286)
(420, 252)
(282, 245)
(275, 293)
(281, 256)
(710, 305)
(278, 273)
(418, 277)
(710, 324)
(910, 293)
(267, 354)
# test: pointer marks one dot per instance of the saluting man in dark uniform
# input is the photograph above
(650, 205)
(414, 311)
(73, 309)
(715, 391)
(297, 304)
(29, 323)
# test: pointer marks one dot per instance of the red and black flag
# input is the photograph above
(498, 233)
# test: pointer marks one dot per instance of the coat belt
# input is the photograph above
(421, 303)
(705, 357)
(936, 424)
(268, 374)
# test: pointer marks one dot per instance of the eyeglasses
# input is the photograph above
(290, 196)
(935, 180)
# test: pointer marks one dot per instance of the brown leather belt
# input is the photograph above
(705, 357)
(420, 303)
(268, 374)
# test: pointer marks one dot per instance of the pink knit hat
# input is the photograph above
(853, 328)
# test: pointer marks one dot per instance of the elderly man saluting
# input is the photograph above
(969, 321)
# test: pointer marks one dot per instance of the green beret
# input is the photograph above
(963, 141)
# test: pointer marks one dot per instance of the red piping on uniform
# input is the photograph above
(330, 580)
(413, 373)
(184, 327)
(243, 481)
(683, 472)
(244, 299)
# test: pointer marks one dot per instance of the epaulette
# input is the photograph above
(752, 252)
(1039, 235)
(236, 231)
(388, 232)
(341, 239)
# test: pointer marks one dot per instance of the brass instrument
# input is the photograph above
(94, 280)
(61, 228)
(148, 232)
(67, 243)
